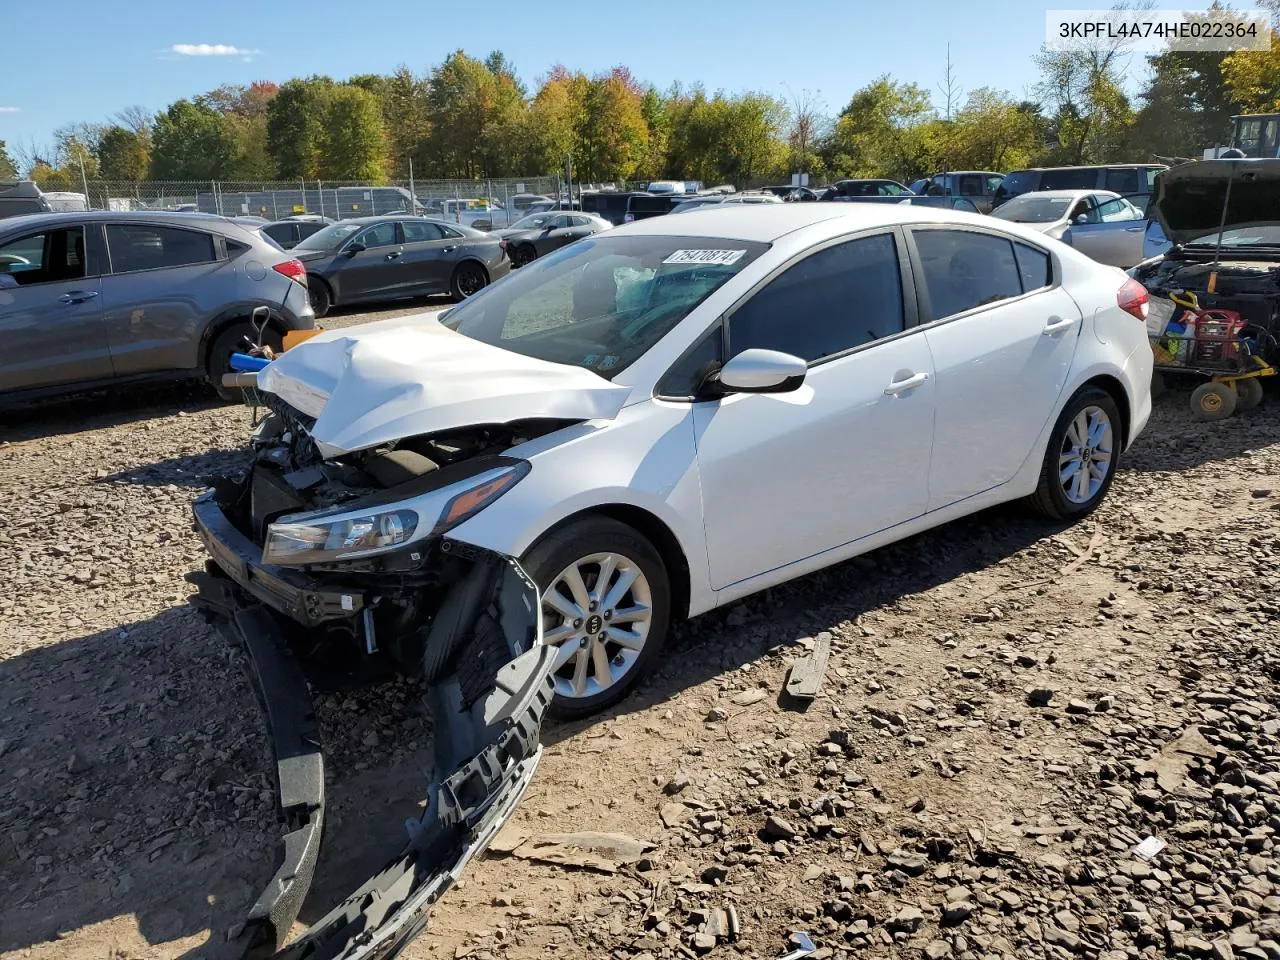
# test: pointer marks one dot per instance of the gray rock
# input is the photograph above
(937, 950)
(776, 828)
(76, 763)
(906, 920)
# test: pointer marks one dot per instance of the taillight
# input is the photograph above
(293, 269)
(1132, 299)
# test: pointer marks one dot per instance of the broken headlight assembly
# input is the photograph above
(325, 537)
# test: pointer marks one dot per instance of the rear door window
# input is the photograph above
(138, 246)
(421, 231)
(965, 269)
(1034, 267)
(971, 185)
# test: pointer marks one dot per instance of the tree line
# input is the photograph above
(468, 118)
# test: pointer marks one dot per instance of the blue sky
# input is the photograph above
(97, 58)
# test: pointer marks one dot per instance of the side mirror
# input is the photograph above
(1082, 218)
(761, 371)
(354, 248)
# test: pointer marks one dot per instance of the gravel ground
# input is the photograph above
(1009, 709)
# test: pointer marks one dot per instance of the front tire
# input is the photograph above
(468, 279)
(1081, 458)
(523, 254)
(606, 605)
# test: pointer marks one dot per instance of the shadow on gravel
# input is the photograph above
(1174, 440)
(198, 471)
(132, 786)
(724, 640)
(101, 409)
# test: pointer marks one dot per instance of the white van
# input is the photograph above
(62, 201)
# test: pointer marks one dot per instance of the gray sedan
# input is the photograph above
(385, 258)
(540, 233)
(1098, 223)
(98, 298)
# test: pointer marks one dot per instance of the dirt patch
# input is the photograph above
(921, 806)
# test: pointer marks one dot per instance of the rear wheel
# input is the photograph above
(229, 341)
(1248, 393)
(1213, 401)
(468, 279)
(318, 294)
(606, 603)
(1080, 461)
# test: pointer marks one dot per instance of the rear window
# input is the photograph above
(1020, 181)
(146, 247)
(1123, 180)
(604, 201)
(651, 204)
(1071, 178)
(14, 208)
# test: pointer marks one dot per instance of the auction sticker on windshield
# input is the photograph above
(719, 257)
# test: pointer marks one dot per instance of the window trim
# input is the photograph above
(910, 311)
(925, 305)
(91, 254)
(216, 241)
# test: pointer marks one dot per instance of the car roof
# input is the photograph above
(1068, 194)
(189, 218)
(1091, 166)
(767, 222)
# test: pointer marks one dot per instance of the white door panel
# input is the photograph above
(786, 476)
(999, 376)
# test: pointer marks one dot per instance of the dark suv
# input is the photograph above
(1133, 181)
(620, 208)
(99, 298)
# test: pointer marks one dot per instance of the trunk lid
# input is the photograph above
(369, 385)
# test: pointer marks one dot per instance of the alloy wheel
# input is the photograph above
(1085, 457)
(598, 611)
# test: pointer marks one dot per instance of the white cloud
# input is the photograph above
(210, 50)
(10, 109)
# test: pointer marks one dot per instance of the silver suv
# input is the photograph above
(99, 298)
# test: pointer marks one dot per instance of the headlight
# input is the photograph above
(305, 538)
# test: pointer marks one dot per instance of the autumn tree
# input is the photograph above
(881, 133)
(402, 100)
(124, 154)
(295, 122)
(1253, 76)
(352, 144)
(191, 141)
(991, 131)
(8, 169)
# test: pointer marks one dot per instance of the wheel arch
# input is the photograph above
(1120, 395)
(471, 258)
(653, 529)
(240, 313)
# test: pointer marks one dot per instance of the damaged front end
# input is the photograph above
(466, 621)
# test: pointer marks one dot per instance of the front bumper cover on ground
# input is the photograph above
(485, 732)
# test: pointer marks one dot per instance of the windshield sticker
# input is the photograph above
(720, 257)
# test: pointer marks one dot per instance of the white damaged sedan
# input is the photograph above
(666, 417)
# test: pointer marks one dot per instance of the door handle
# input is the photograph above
(448, 249)
(1141, 229)
(77, 296)
(395, 255)
(902, 386)
(1057, 325)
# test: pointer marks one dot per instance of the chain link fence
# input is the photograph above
(490, 202)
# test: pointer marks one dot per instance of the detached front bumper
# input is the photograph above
(486, 725)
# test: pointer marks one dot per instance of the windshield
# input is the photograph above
(330, 238)
(601, 303)
(1029, 208)
(532, 221)
(1264, 236)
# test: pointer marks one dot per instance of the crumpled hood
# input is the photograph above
(379, 382)
(1189, 197)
